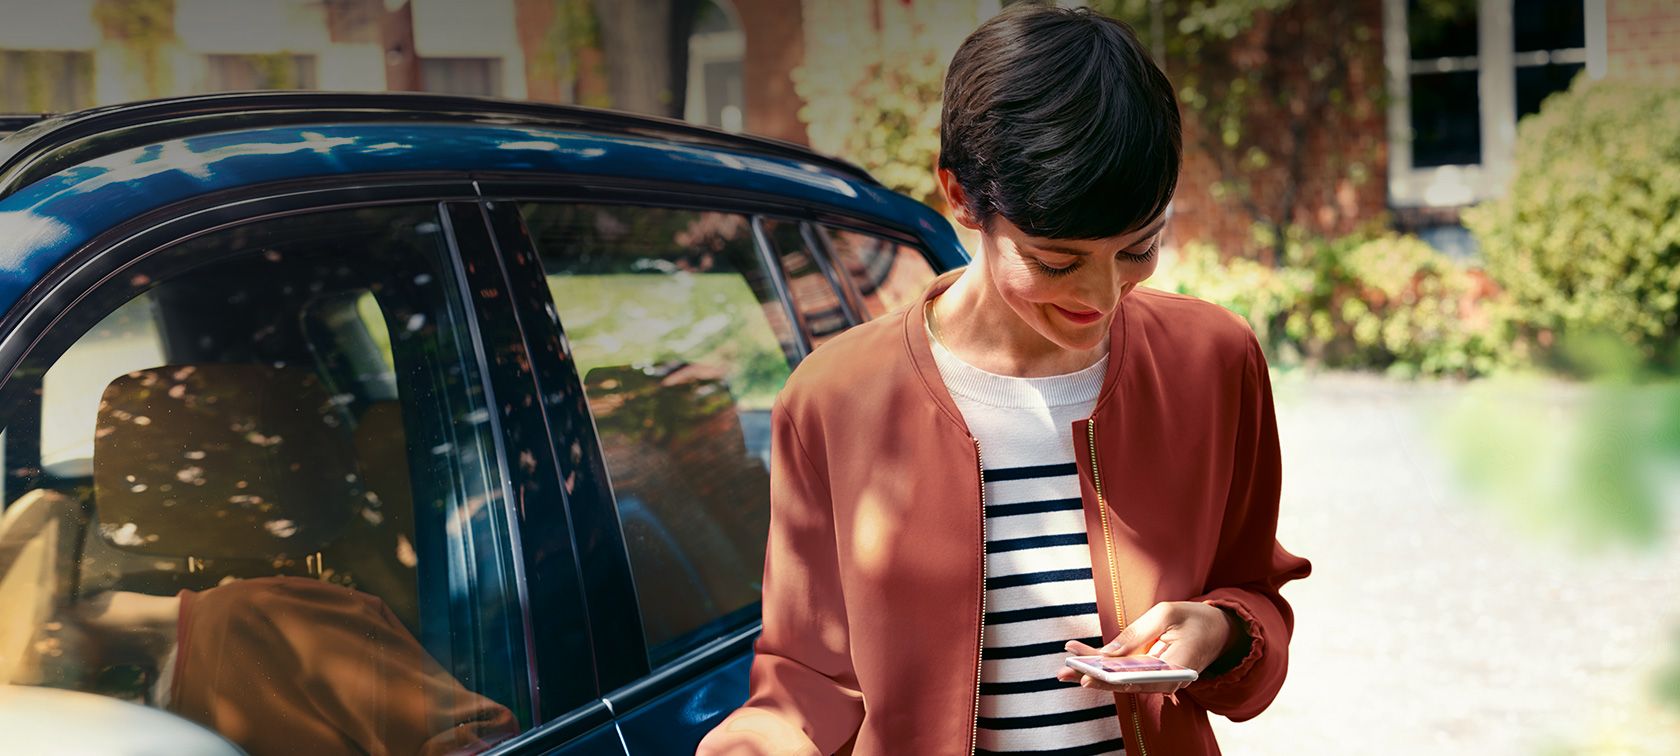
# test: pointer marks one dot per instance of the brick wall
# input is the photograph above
(1643, 38)
(1344, 152)
(775, 46)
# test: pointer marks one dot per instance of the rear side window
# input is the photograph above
(249, 492)
(809, 281)
(886, 274)
(682, 345)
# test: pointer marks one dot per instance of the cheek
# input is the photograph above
(1027, 288)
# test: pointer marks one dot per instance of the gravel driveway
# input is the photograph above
(1430, 624)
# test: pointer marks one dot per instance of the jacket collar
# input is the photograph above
(921, 351)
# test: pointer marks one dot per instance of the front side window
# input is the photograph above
(682, 345)
(244, 482)
(886, 274)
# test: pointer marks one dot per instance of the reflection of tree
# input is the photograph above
(639, 286)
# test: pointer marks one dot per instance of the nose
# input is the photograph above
(1100, 290)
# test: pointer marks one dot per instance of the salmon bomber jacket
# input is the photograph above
(874, 567)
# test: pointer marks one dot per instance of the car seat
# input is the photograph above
(208, 472)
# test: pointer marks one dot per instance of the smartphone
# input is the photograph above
(1118, 670)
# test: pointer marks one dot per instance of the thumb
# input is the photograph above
(1142, 633)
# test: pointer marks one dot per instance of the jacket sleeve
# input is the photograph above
(1250, 565)
(803, 697)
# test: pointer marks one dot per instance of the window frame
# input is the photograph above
(1496, 64)
(628, 680)
(28, 327)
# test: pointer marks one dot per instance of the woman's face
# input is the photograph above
(1068, 290)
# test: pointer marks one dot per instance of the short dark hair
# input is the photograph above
(1057, 119)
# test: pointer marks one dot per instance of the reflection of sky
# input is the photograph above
(45, 220)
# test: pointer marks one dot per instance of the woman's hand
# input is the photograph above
(1187, 633)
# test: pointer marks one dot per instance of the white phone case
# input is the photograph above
(1090, 666)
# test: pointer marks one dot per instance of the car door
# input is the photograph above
(267, 471)
(674, 321)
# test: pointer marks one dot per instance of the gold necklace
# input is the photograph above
(933, 322)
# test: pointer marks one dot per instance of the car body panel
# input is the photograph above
(46, 220)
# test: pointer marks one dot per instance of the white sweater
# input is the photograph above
(1039, 593)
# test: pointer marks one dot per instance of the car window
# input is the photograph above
(127, 339)
(682, 345)
(263, 510)
(813, 293)
(886, 274)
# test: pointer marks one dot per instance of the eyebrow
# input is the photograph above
(1160, 224)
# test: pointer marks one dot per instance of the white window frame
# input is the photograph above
(714, 47)
(1496, 62)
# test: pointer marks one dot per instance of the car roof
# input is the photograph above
(66, 179)
(43, 144)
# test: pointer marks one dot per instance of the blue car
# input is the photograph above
(389, 423)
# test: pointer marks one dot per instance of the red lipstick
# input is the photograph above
(1081, 318)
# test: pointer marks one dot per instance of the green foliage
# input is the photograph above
(1263, 295)
(145, 27)
(1271, 91)
(1587, 239)
(572, 30)
(1395, 303)
(1390, 302)
(872, 82)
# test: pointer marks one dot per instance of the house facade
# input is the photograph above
(1447, 79)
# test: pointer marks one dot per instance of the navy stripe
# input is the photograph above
(1034, 578)
(1035, 542)
(1025, 686)
(1031, 507)
(1049, 720)
(1040, 612)
(1091, 749)
(1035, 649)
(1023, 473)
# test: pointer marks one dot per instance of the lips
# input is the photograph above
(1077, 317)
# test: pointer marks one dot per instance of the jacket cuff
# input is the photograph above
(1256, 648)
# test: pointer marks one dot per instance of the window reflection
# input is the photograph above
(682, 345)
(267, 445)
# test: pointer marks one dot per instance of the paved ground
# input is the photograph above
(1430, 625)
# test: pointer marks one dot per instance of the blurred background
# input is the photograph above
(1455, 225)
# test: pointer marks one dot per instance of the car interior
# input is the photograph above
(267, 441)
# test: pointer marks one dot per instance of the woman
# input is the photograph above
(1039, 459)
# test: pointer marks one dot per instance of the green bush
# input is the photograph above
(1404, 307)
(1261, 294)
(1388, 303)
(1587, 238)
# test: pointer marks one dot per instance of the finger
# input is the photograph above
(1159, 648)
(1068, 674)
(1078, 648)
(1143, 632)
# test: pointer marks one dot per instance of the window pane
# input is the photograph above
(45, 81)
(812, 291)
(1441, 28)
(262, 538)
(1536, 83)
(463, 76)
(1446, 119)
(887, 275)
(126, 340)
(680, 340)
(1549, 24)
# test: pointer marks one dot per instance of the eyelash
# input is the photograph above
(1147, 255)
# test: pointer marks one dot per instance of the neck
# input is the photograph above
(976, 325)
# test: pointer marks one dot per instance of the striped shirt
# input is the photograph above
(1039, 593)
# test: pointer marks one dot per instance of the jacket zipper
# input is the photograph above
(1113, 575)
(980, 650)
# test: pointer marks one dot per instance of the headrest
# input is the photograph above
(222, 461)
